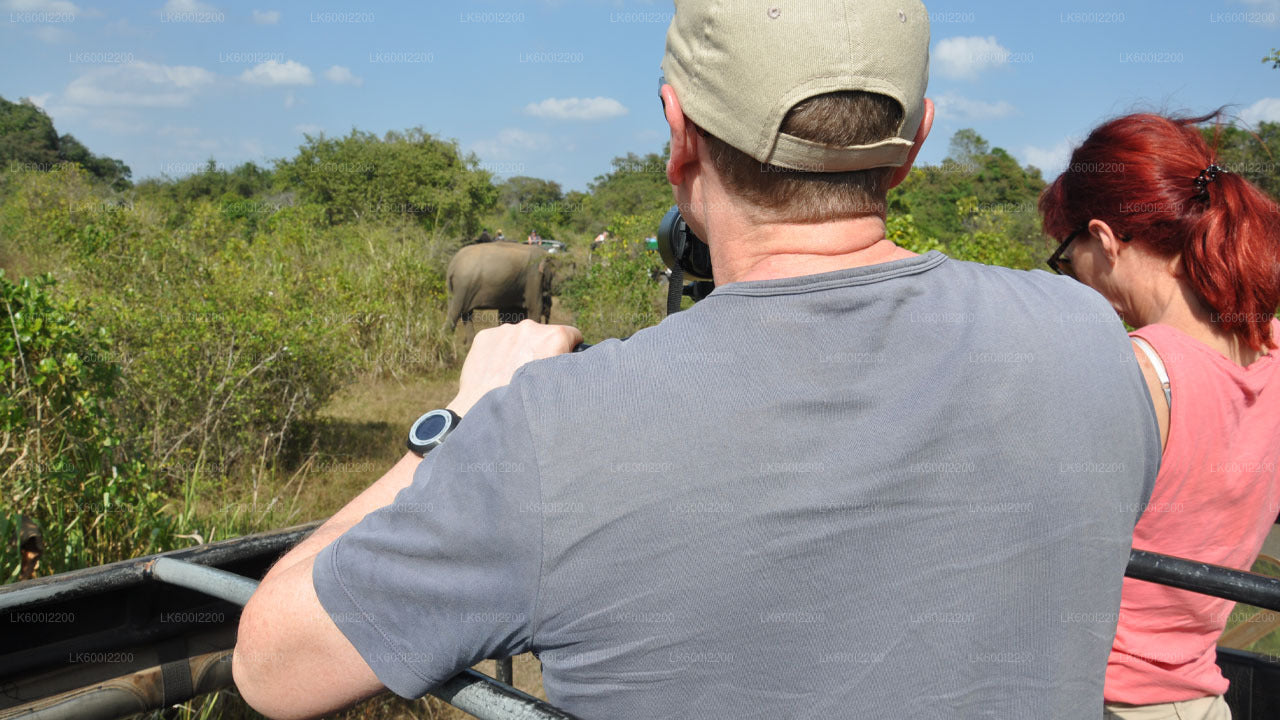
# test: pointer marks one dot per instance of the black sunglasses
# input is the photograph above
(1056, 260)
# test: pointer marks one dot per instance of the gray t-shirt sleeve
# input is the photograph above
(448, 574)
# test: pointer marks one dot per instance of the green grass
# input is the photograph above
(1270, 644)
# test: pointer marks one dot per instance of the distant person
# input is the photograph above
(500, 237)
(1188, 252)
(600, 239)
(484, 237)
(533, 238)
(853, 482)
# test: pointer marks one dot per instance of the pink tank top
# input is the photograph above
(1215, 499)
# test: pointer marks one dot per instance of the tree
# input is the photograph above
(26, 135)
(532, 204)
(967, 147)
(28, 139)
(975, 180)
(1273, 58)
(1254, 154)
(635, 186)
(411, 174)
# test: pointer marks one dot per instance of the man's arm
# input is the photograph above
(291, 660)
(285, 630)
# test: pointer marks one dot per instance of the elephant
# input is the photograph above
(513, 279)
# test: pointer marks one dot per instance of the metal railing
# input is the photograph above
(160, 679)
(178, 675)
(485, 697)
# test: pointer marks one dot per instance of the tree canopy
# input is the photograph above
(28, 139)
(937, 196)
(1253, 153)
(411, 173)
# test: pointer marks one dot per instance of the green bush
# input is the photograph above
(65, 464)
(615, 294)
(984, 243)
(231, 335)
(409, 174)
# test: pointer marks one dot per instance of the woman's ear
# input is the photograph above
(1112, 245)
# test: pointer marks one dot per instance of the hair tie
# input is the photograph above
(1207, 176)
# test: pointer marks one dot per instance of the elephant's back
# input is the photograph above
(492, 275)
(491, 258)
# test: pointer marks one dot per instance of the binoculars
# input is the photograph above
(685, 254)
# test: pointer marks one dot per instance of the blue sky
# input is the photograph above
(556, 88)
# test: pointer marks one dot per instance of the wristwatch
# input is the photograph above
(430, 430)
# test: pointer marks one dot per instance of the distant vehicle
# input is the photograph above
(551, 246)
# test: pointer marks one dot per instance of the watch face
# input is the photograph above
(430, 430)
(430, 426)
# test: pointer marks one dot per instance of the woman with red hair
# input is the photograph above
(1189, 253)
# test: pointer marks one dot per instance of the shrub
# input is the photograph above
(615, 294)
(65, 465)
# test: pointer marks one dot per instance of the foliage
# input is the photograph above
(615, 295)
(231, 336)
(1253, 153)
(991, 236)
(937, 197)
(904, 233)
(527, 204)
(1273, 57)
(986, 242)
(410, 174)
(65, 464)
(243, 192)
(634, 186)
(28, 140)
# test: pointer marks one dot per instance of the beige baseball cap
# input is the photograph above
(739, 66)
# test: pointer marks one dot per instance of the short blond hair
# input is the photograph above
(784, 195)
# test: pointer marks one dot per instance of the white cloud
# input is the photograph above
(58, 7)
(965, 57)
(597, 108)
(290, 100)
(342, 76)
(508, 141)
(266, 17)
(1265, 110)
(308, 129)
(274, 72)
(40, 100)
(138, 84)
(954, 107)
(1051, 161)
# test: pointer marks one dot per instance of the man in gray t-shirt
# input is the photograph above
(851, 482)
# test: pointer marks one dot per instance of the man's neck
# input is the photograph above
(746, 251)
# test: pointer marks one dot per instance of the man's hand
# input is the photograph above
(498, 352)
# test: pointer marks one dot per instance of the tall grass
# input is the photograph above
(203, 344)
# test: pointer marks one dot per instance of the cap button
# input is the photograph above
(902, 16)
(775, 13)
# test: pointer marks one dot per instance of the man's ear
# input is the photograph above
(1111, 243)
(684, 139)
(926, 124)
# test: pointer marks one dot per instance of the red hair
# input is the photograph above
(1138, 174)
